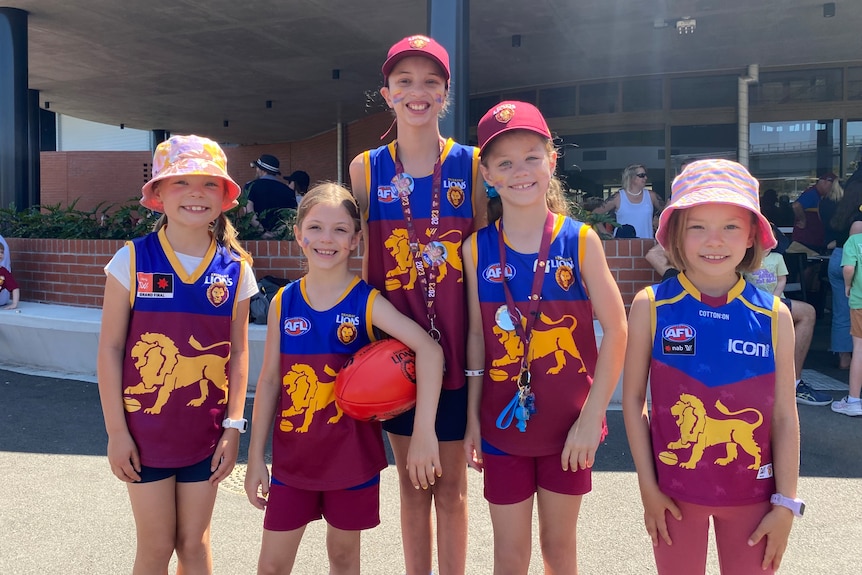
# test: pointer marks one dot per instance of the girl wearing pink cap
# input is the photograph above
(174, 317)
(722, 437)
(417, 196)
(539, 388)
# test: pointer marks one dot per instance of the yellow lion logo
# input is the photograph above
(546, 340)
(698, 431)
(308, 396)
(163, 369)
(399, 248)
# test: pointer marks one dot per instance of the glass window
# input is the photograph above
(640, 95)
(797, 86)
(853, 147)
(854, 83)
(703, 92)
(525, 96)
(558, 102)
(787, 155)
(598, 99)
(478, 107)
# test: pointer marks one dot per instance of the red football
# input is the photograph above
(378, 382)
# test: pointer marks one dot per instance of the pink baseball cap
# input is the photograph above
(511, 115)
(417, 45)
(715, 182)
(189, 156)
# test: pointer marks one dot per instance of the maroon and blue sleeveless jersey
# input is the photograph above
(316, 446)
(712, 385)
(562, 352)
(390, 266)
(176, 365)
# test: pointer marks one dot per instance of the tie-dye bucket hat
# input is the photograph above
(189, 156)
(715, 182)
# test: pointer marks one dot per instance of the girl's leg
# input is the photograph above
(450, 505)
(195, 503)
(343, 549)
(558, 522)
(278, 551)
(415, 511)
(512, 537)
(154, 508)
(690, 539)
(856, 368)
(733, 527)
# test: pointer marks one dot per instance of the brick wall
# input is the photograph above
(116, 177)
(69, 272)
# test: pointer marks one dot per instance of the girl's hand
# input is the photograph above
(225, 455)
(257, 483)
(423, 460)
(775, 526)
(124, 458)
(656, 507)
(582, 442)
(473, 447)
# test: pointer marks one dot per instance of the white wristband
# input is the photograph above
(471, 372)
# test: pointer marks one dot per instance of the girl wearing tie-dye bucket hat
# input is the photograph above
(174, 333)
(722, 437)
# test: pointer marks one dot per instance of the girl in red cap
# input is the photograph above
(174, 317)
(417, 198)
(721, 439)
(536, 415)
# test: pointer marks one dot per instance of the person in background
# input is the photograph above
(266, 195)
(808, 233)
(5, 262)
(9, 290)
(298, 181)
(631, 205)
(846, 212)
(850, 260)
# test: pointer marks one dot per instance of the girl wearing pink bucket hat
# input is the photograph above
(722, 437)
(537, 415)
(173, 354)
(418, 194)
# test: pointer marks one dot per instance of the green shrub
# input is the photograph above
(108, 222)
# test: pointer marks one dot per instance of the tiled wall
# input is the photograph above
(70, 272)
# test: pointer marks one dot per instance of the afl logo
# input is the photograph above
(679, 333)
(386, 194)
(493, 273)
(296, 326)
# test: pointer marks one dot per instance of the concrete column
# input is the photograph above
(14, 156)
(449, 24)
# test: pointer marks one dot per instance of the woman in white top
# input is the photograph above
(631, 205)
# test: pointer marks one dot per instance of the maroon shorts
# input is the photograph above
(352, 509)
(510, 479)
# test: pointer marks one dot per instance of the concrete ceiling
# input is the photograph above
(190, 65)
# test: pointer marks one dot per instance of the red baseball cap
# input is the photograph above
(417, 45)
(511, 115)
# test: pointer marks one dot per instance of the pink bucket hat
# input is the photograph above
(508, 116)
(715, 182)
(417, 45)
(189, 156)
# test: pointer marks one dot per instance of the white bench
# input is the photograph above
(62, 341)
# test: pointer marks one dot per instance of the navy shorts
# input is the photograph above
(451, 422)
(193, 473)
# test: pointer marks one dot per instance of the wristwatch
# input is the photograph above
(241, 424)
(797, 506)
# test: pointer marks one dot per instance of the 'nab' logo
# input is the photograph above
(494, 273)
(678, 339)
(296, 326)
(387, 194)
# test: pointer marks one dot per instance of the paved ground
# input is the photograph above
(61, 510)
